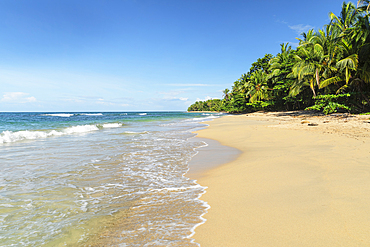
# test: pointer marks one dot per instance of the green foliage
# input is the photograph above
(330, 103)
(261, 64)
(209, 105)
(260, 106)
(331, 63)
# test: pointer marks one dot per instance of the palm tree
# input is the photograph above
(353, 51)
(347, 64)
(281, 65)
(364, 5)
(361, 41)
(282, 61)
(311, 62)
(258, 88)
(346, 20)
(226, 94)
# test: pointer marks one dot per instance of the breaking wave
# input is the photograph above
(10, 136)
(92, 114)
(59, 115)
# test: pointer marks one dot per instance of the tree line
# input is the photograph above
(329, 71)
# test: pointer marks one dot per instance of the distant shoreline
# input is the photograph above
(207, 111)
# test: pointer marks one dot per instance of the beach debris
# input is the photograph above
(305, 121)
(326, 122)
(312, 124)
(341, 115)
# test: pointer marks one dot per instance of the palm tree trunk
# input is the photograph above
(313, 89)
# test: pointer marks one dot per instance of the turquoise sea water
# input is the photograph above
(99, 179)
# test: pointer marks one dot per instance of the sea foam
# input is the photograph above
(112, 125)
(10, 136)
(59, 115)
(92, 114)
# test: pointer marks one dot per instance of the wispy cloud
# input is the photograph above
(173, 95)
(97, 100)
(176, 98)
(205, 99)
(17, 97)
(101, 101)
(300, 28)
(74, 99)
(190, 85)
(280, 21)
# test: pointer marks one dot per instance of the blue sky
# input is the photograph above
(139, 55)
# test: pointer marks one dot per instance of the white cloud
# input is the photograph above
(173, 95)
(176, 98)
(300, 28)
(281, 21)
(207, 98)
(190, 85)
(17, 97)
(74, 100)
(109, 103)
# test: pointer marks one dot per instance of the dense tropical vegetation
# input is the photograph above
(329, 71)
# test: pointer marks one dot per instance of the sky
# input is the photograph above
(139, 55)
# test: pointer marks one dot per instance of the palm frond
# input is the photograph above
(330, 81)
(341, 89)
(295, 89)
(349, 62)
(318, 49)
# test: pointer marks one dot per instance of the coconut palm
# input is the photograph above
(226, 94)
(361, 41)
(258, 87)
(364, 6)
(352, 56)
(311, 61)
(281, 65)
(346, 20)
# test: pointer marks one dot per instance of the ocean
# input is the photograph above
(99, 179)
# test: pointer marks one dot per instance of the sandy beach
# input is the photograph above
(300, 180)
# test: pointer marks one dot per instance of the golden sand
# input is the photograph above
(301, 180)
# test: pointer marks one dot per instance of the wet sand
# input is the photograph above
(301, 180)
(210, 156)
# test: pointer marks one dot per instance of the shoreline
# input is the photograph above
(212, 155)
(294, 184)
